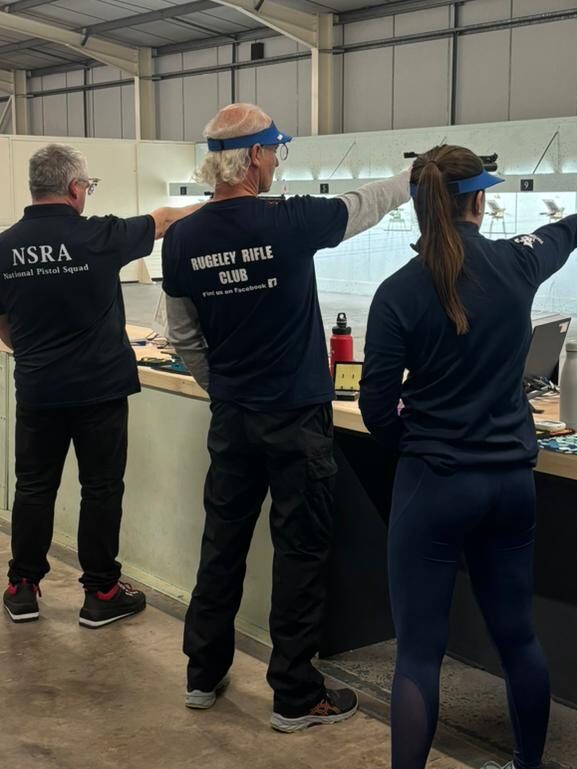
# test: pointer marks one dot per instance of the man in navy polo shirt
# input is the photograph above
(243, 313)
(61, 311)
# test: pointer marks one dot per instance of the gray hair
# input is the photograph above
(52, 169)
(231, 166)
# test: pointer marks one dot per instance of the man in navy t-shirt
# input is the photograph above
(61, 311)
(243, 313)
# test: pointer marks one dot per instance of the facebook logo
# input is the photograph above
(272, 282)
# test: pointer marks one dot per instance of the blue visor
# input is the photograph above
(269, 136)
(482, 181)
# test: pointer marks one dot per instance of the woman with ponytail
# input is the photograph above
(458, 318)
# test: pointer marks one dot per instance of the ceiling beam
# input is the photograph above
(24, 5)
(21, 45)
(123, 57)
(298, 25)
(136, 20)
(249, 35)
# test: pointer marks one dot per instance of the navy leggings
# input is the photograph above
(489, 516)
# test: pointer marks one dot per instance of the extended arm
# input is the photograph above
(372, 201)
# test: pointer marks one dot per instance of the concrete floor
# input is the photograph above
(72, 698)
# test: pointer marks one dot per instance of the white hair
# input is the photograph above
(231, 166)
(52, 168)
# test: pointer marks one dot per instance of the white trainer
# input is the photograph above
(204, 700)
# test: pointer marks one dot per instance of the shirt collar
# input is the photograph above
(48, 209)
(468, 229)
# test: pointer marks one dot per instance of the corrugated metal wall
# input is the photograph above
(506, 74)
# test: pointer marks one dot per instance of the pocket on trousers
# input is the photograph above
(321, 466)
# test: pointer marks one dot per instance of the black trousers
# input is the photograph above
(291, 453)
(487, 515)
(99, 434)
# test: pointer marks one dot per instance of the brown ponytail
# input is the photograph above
(440, 246)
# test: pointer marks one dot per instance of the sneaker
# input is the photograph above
(21, 601)
(200, 700)
(336, 705)
(118, 603)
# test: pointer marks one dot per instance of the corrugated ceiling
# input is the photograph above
(78, 14)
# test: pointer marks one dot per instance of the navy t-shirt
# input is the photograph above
(247, 265)
(464, 403)
(60, 288)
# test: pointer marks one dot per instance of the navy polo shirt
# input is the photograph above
(60, 288)
(247, 265)
(464, 403)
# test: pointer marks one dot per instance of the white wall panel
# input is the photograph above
(55, 110)
(55, 116)
(304, 96)
(128, 129)
(75, 105)
(422, 21)
(104, 74)
(485, 10)
(172, 63)
(35, 107)
(246, 85)
(200, 104)
(483, 81)
(199, 59)
(529, 7)
(105, 105)
(280, 103)
(170, 109)
(421, 85)
(368, 108)
(375, 29)
(107, 110)
(36, 114)
(544, 71)
(169, 99)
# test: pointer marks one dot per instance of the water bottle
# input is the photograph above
(341, 342)
(568, 387)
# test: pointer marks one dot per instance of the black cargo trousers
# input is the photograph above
(290, 453)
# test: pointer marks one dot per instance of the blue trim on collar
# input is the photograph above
(269, 136)
(482, 181)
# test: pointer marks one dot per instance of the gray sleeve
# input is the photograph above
(185, 335)
(372, 201)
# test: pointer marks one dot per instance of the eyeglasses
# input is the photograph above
(280, 150)
(91, 184)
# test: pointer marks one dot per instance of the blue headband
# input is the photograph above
(482, 181)
(269, 136)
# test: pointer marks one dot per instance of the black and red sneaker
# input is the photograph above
(119, 602)
(335, 705)
(21, 601)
